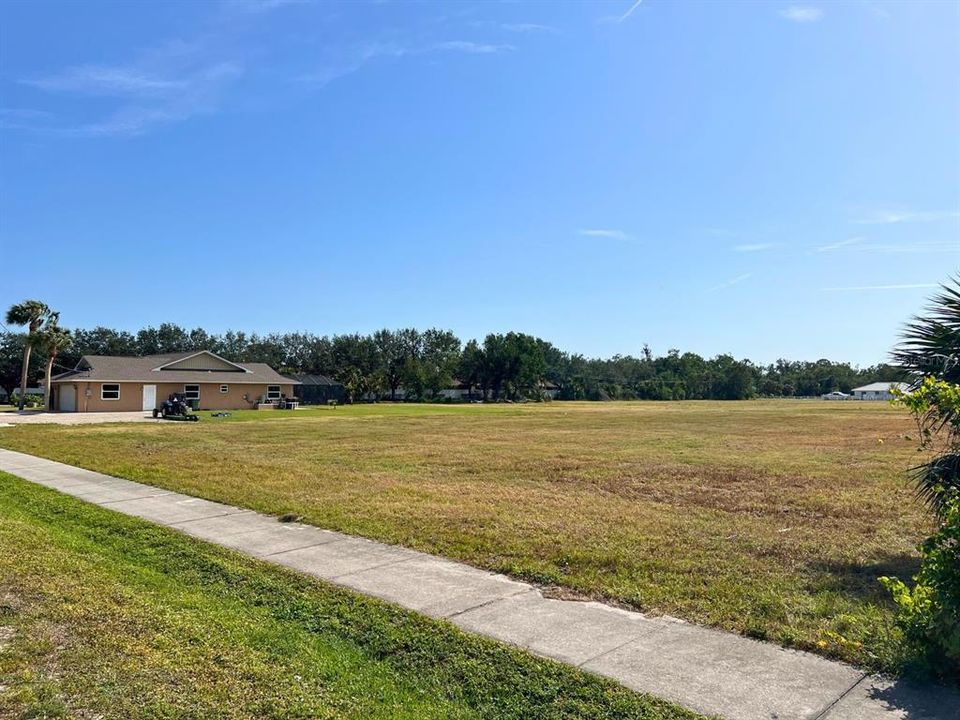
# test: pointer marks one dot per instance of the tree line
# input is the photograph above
(422, 363)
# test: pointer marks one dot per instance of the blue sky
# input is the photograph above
(762, 178)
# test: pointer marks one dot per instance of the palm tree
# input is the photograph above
(931, 348)
(33, 314)
(53, 340)
(931, 343)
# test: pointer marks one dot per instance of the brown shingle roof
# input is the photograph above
(108, 368)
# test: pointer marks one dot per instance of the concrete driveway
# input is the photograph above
(32, 417)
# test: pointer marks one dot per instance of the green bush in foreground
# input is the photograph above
(929, 612)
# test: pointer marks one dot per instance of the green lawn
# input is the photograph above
(106, 616)
(769, 518)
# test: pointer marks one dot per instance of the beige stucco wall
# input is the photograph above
(131, 396)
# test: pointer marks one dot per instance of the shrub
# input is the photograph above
(929, 612)
(33, 401)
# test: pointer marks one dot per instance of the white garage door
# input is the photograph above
(68, 398)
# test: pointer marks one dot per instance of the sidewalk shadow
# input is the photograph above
(912, 700)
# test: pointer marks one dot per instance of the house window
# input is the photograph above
(273, 392)
(109, 392)
(224, 389)
(191, 392)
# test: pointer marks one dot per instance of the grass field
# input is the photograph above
(106, 616)
(769, 518)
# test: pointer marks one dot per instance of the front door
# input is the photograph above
(68, 398)
(149, 397)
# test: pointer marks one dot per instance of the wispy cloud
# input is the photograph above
(891, 217)
(876, 9)
(473, 48)
(352, 60)
(802, 13)
(23, 118)
(911, 248)
(858, 288)
(730, 283)
(255, 7)
(620, 18)
(107, 81)
(838, 245)
(528, 28)
(164, 84)
(151, 101)
(917, 247)
(721, 232)
(169, 82)
(754, 247)
(629, 12)
(606, 233)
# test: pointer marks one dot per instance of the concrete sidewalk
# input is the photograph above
(712, 672)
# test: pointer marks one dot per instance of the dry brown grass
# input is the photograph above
(771, 518)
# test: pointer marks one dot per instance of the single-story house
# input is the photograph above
(878, 390)
(319, 390)
(461, 391)
(102, 383)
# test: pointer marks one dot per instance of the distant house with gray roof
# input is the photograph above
(878, 390)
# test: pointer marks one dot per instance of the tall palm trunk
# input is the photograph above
(23, 375)
(47, 389)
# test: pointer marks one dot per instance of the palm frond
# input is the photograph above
(931, 343)
(935, 479)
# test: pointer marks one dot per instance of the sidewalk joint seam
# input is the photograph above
(337, 578)
(458, 613)
(634, 638)
(823, 713)
(81, 496)
(194, 520)
(296, 549)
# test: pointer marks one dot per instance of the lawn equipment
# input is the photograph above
(175, 408)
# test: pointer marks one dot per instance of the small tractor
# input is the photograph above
(175, 408)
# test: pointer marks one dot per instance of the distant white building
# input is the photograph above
(878, 390)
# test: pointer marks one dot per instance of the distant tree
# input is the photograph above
(11, 360)
(494, 368)
(52, 340)
(470, 366)
(168, 338)
(353, 383)
(103, 341)
(734, 380)
(33, 314)
(512, 364)
(392, 356)
(441, 353)
(355, 362)
(267, 349)
(200, 339)
(232, 345)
